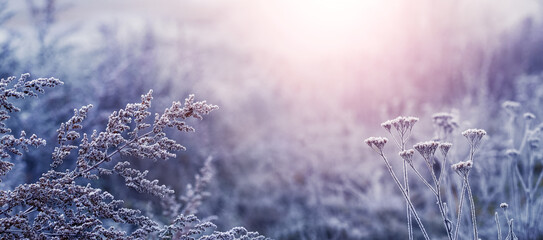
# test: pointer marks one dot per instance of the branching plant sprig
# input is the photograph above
(427, 151)
(56, 206)
(463, 169)
(23, 88)
(377, 144)
(525, 181)
(403, 127)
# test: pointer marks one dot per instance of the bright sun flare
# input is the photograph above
(324, 26)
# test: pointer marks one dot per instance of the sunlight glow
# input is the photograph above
(327, 26)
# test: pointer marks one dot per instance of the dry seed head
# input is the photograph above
(376, 143)
(442, 117)
(529, 116)
(387, 125)
(426, 149)
(445, 147)
(462, 168)
(474, 136)
(407, 155)
(511, 107)
(504, 205)
(401, 124)
(445, 120)
(512, 153)
(534, 143)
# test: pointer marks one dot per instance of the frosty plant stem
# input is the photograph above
(406, 196)
(474, 137)
(461, 204)
(427, 150)
(403, 127)
(472, 208)
(377, 144)
(497, 219)
(406, 185)
(525, 156)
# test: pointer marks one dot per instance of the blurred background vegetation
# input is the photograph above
(300, 85)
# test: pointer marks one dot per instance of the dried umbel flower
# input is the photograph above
(387, 125)
(474, 136)
(376, 143)
(442, 117)
(407, 155)
(533, 143)
(427, 149)
(462, 168)
(504, 205)
(445, 122)
(513, 108)
(445, 147)
(401, 124)
(529, 116)
(512, 153)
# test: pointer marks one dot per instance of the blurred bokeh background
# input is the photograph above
(300, 85)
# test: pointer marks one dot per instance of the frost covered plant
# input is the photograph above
(474, 137)
(445, 124)
(9, 144)
(403, 127)
(60, 206)
(193, 196)
(510, 232)
(525, 174)
(377, 144)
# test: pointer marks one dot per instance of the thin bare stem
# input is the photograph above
(437, 193)
(472, 208)
(29, 210)
(424, 180)
(526, 190)
(406, 186)
(538, 181)
(497, 219)
(417, 218)
(461, 204)
(443, 162)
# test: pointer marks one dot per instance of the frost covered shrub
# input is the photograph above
(449, 197)
(63, 204)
